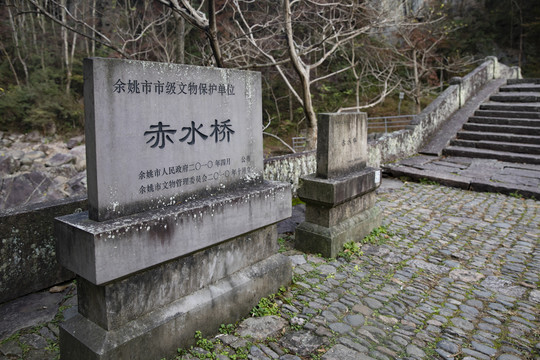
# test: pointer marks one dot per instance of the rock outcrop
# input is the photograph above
(34, 169)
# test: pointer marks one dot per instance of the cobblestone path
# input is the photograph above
(452, 274)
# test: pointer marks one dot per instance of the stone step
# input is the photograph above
(523, 81)
(508, 129)
(504, 121)
(508, 114)
(498, 145)
(504, 137)
(520, 88)
(527, 107)
(491, 154)
(508, 97)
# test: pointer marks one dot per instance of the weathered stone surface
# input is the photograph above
(340, 328)
(331, 216)
(437, 225)
(341, 352)
(289, 168)
(104, 251)
(25, 188)
(28, 250)
(328, 242)
(114, 304)
(415, 351)
(259, 328)
(225, 301)
(60, 159)
(29, 157)
(289, 225)
(335, 191)
(209, 138)
(508, 357)
(341, 144)
(302, 343)
(8, 164)
(74, 141)
(33, 340)
(534, 296)
(503, 286)
(29, 311)
(466, 275)
(421, 264)
(11, 348)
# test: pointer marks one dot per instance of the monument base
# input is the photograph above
(328, 241)
(202, 307)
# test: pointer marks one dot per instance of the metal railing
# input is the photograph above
(389, 123)
(384, 124)
(299, 143)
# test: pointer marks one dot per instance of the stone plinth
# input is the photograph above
(147, 282)
(340, 197)
(107, 250)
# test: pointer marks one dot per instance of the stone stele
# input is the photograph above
(159, 134)
(181, 230)
(341, 144)
(340, 197)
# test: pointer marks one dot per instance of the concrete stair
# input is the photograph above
(505, 128)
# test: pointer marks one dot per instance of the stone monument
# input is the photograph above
(180, 234)
(340, 196)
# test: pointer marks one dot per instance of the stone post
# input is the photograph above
(340, 196)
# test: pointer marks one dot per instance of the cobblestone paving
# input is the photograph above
(455, 276)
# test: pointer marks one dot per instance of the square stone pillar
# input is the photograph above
(340, 196)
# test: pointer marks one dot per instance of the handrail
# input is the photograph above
(391, 123)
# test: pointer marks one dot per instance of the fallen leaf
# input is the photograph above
(58, 288)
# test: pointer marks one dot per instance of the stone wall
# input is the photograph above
(289, 168)
(405, 143)
(28, 252)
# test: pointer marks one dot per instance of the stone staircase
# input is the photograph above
(505, 128)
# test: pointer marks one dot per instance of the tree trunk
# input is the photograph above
(417, 91)
(303, 74)
(65, 44)
(8, 58)
(17, 44)
(212, 34)
(181, 37)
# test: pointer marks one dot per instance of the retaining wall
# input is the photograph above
(406, 143)
(28, 251)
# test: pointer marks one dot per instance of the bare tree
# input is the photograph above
(305, 35)
(372, 68)
(206, 23)
(417, 50)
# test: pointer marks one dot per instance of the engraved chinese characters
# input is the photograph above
(162, 133)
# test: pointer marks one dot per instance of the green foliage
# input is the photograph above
(350, 249)
(282, 248)
(226, 329)
(425, 181)
(203, 343)
(378, 236)
(516, 195)
(266, 307)
(42, 104)
(501, 28)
